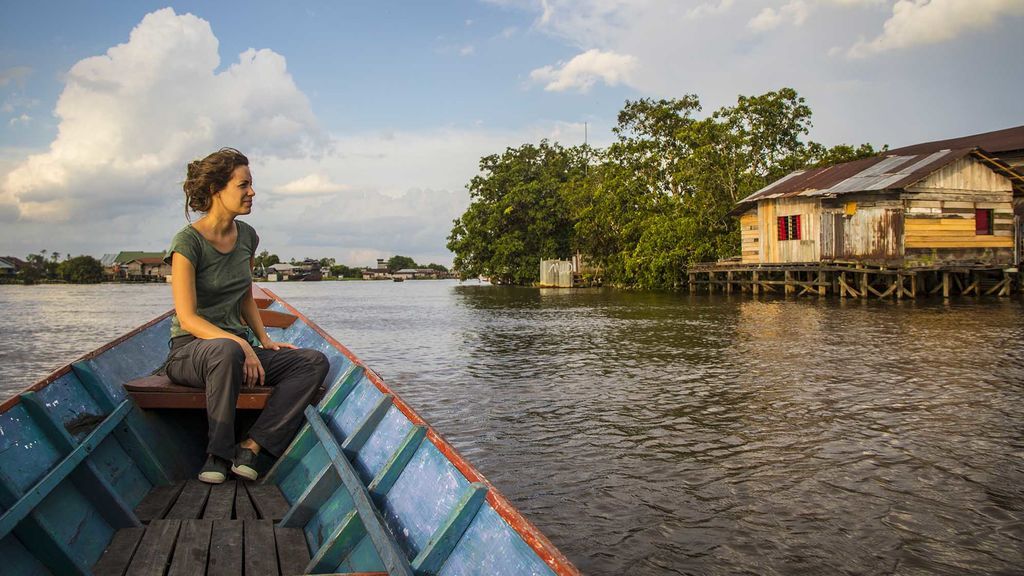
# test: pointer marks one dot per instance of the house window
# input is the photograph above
(789, 227)
(983, 221)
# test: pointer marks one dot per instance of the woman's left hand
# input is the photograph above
(278, 345)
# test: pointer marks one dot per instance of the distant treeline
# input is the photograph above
(40, 268)
(643, 209)
(265, 259)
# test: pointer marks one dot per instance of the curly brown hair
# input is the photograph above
(206, 177)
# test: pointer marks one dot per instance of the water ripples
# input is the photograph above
(677, 434)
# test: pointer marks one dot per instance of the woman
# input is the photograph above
(211, 267)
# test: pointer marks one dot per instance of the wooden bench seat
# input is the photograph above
(160, 392)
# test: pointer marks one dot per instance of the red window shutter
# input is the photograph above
(982, 222)
(796, 228)
(783, 232)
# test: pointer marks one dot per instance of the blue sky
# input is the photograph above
(365, 120)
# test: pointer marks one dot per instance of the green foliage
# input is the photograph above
(81, 270)
(342, 271)
(396, 263)
(657, 200)
(438, 267)
(518, 213)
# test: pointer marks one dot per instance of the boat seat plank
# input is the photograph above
(154, 551)
(158, 502)
(225, 549)
(292, 550)
(221, 502)
(160, 392)
(118, 555)
(190, 502)
(261, 297)
(244, 510)
(260, 551)
(268, 500)
(192, 548)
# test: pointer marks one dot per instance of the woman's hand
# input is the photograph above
(252, 370)
(271, 345)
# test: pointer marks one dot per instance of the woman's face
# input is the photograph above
(236, 197)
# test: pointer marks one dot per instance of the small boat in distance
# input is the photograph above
(398, 279)
(98, 464)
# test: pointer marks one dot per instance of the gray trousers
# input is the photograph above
(216, 365)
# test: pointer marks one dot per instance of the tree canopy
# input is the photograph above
(656, 200)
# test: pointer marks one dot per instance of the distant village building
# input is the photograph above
(919, 206)
(136, 266)
(415, 273)
(381, 272)
(7, 268)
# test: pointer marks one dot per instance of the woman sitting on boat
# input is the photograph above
(211, 266)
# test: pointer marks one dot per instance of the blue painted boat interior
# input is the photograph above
(368, 488)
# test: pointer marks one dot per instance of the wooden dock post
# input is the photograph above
(945, 285)
(789, 282)
(754, 279)
(728, 282)
(693, 282)
(822, 288)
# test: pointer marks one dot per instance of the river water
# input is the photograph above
(675, 434)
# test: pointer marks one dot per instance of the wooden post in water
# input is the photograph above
(728, 282)
(821, 284)
(789, 282)
(945, 285)
(693, 282)
(754, 286)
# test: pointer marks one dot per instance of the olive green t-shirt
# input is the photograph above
(222, 279)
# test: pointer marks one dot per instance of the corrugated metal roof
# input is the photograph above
(997, 142)
(885, 172)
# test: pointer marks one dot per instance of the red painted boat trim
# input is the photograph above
(67, 367)
(530, 534)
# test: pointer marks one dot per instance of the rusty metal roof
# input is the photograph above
(884, 172)
(997, 142)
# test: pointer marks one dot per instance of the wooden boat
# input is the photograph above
(97, 471)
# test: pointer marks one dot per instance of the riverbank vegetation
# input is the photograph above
(38, 268)
(653, 202)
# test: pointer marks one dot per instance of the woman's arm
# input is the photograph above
(183, 290)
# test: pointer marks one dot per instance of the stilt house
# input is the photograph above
(939, 204)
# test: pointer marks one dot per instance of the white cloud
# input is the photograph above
(794, 12)
(584, 70)
(467, 50)
(311, 185)
(23, 119)
(129, 120)
(921, 22)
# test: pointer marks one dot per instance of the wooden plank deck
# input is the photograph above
(193, 530)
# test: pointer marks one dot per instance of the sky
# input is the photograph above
(365, 121)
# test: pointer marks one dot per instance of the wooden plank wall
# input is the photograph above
(807, 249)
(750, 238)
(940, 215)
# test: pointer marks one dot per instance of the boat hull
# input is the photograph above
(367, 483)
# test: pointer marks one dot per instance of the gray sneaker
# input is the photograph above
(215, 471)
(245, 463)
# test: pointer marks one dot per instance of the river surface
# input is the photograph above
(675, 434)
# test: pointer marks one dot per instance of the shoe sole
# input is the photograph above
(212, 477)
(245, 472)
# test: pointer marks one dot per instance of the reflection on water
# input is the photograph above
(658, 433)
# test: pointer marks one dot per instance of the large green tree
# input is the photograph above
(398, 262)
(518, 214)
(81, 270)
(661, 197)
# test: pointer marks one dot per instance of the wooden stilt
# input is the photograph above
(945, 285)
(789, 282)
(728, 282)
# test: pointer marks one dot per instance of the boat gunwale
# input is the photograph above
(65, 369)
(530, 534)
